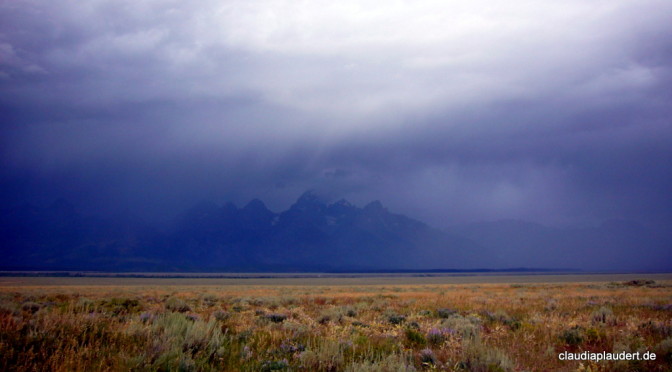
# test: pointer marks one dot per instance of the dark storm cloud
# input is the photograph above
(444, 111)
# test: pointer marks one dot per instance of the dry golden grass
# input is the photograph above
(84, 324)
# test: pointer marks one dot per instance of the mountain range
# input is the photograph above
(312, 235)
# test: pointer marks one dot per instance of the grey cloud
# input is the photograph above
(552, 112)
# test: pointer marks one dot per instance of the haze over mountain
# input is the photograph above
(311, 236)
(614, 245)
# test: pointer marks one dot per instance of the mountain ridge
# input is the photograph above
(311, 235)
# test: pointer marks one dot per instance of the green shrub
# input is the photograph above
(445, 313)
(209, 300)
(121, 306)
(389, 363)
(274, 365)
(664, 350)
(572, 336)
(180, 342)
(396, 319)
(30, 307)
(177, 305)
(414, 337)
(436, 336)
(276, 317)
(84, 305)
(504, 318)
(657, 328)
(308, 359)
(221, 315)
(481, 358)
(8, 307)
(639, 282)
(466, 327)
(603, 316)
(327, 356)
(427, 357)
(551, 305)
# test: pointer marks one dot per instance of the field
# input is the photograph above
(335, 323)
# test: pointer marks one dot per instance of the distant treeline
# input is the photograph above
(330, 274)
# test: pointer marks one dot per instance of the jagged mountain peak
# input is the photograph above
(342, 208)
(310, 196)
(342, 203)
(313, 235)
(308, 200)
(256, 205)
(375, 206)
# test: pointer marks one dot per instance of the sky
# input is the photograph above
(446, 111)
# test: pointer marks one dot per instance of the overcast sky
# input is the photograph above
(558, 112)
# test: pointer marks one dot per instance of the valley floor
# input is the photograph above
(336, 323)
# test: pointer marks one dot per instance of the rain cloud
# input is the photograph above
(450, 112)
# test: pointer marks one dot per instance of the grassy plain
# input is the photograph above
(334, 323)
